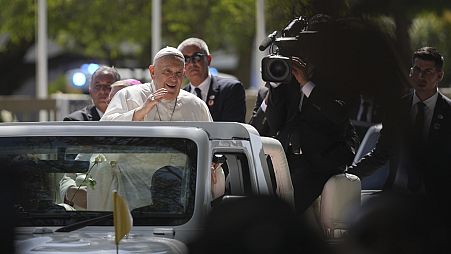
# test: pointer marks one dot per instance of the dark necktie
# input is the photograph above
(198, 92)
(419, 122)
(301, 101)
(414, 179)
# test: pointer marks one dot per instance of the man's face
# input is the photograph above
(167, 72)
(196, 68)
(425, 76)
(100, 89)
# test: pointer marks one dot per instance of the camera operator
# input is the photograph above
(314, 129)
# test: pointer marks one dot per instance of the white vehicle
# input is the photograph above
(162, 169)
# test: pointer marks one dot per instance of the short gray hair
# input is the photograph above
(194, 42)
(107, 69)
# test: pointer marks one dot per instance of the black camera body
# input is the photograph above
(296, 40)
(341, 55)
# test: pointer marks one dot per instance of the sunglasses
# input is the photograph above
(196, 57)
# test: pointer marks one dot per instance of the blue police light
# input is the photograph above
(84, 68)
(89, 68)
(79, 79)
(213, 71)
(92, 68)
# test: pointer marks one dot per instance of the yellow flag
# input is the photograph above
(122, 218)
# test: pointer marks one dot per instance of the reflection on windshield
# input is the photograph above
(70, 179)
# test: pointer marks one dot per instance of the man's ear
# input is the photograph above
(152, 71)
(440, 75)
(209, 57)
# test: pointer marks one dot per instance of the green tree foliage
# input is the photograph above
(16, 37)
(101, 29)
(227, 25)
(280, 13)
(402, 12)
(429, 29)
(96, 28)
(410, 23)
(17, 20)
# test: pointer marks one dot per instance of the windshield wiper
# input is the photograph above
(84, 223)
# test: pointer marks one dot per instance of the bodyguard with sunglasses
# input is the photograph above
(224, 97)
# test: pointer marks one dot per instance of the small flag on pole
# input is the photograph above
(122, 218)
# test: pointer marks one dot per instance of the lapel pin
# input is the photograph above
(436, 126)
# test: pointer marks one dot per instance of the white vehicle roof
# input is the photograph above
(215, 130)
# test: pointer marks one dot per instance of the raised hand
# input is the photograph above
(301, 70)
(157, 96)
(148, 105)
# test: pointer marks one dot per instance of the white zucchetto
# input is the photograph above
(168, 51)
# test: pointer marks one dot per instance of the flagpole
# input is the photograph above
(122, 219)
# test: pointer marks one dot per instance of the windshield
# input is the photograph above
(64, 180)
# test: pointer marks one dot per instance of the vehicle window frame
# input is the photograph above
(52, 177)
(239, 178)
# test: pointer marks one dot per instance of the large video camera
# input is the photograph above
(297, 39)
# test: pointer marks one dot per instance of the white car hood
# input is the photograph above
(76, 242)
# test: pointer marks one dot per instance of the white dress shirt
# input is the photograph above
(204, 86)
(306, 90)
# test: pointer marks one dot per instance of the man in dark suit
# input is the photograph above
(315, 131)
(225, 97)
(99, 89)
(258, 118)
(416, 137)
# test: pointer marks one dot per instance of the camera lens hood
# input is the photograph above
(276, 68)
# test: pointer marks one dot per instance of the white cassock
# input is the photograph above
(188, 107)
(130, 174)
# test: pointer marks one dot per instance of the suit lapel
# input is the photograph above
(212, 95)
(438, 118)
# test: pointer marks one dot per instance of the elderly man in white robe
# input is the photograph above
(160, 100)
